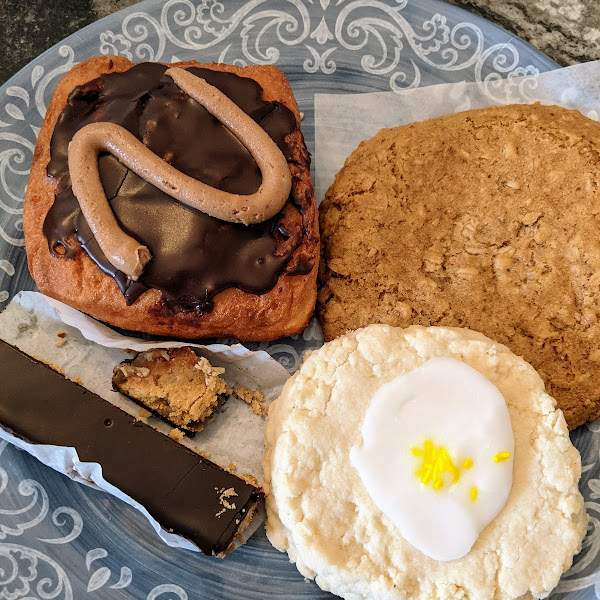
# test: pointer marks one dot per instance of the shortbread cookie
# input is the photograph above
(486, 219)
(319, 509)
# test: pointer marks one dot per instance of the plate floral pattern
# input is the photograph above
(61, 540)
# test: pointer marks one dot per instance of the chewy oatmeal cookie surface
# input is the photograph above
(486, 219)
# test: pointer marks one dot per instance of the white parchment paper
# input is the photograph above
(342, 121)
(31, 322)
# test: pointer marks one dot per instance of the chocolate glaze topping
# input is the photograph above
(194, 256)
(179, 488)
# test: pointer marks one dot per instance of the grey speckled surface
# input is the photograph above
(566, 30)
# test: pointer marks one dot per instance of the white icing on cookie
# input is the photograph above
(436, 456)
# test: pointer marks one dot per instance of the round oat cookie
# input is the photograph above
(321, 513)
(487, 219)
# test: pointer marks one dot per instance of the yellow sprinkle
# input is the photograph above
(467, 463)
(449, 466)
(435, 463)
(501, 456)
(444, 456)
(473, 494)
(427, 476)
(428, 451)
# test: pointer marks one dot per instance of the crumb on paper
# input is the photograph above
(60, 343)
(24, 326)
(78, 380)
(231, 467)
(57, 368)
(249, 479)
(61, 334)
(144, 414)
(254, 398)
(259, 409)
(176, 434)
(247, 395)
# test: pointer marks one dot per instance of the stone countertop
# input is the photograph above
(566, 30)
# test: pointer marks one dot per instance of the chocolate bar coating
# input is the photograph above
(179, 488)
(151, 106)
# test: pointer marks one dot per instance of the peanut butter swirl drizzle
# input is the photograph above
(123, 251)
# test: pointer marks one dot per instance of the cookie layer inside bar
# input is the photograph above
(183, 388)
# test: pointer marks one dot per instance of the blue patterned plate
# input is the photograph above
(60, 540)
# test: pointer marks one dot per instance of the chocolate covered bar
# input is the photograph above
(182, 490)
(206, 276)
